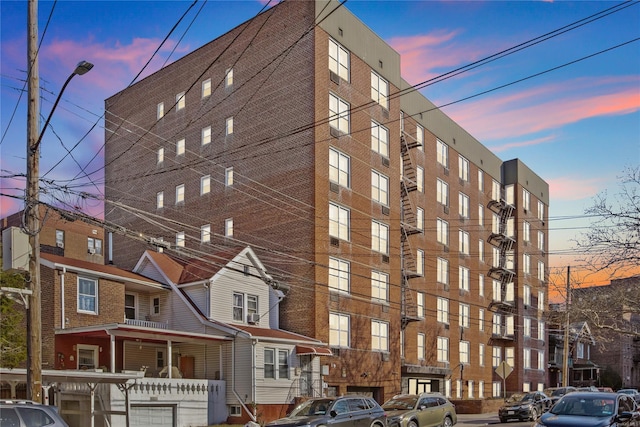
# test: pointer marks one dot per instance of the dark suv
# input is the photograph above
(25, 413)
(352, 411)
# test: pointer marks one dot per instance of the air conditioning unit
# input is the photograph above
(253, 318)
(92, 251)
(384, 356)
(60, 244)
(385, 161)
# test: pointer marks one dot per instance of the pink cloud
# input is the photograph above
(511, 145)
(575, 188)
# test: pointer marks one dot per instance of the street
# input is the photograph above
(477, 420)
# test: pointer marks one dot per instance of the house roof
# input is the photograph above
(57, 262)
(181, 271)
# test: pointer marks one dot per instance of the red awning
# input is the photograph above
(304, 350)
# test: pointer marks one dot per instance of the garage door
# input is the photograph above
(152, 415)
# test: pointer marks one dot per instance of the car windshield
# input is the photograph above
(400, 403)
(518, 397)
(584, 406)
(559, 392)
(312, 407)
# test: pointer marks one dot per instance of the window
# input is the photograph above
(510, 356)
(379, 188)
(540, 210)
(252, 304)
(464, 352)
(339, 275)
(269, 363)
(420, 304)
(379, 285)
(180, 147)
(338, 60)
(442, 192)
(228, 78)
(283, 364)
(238, 306)
(443, 349)
(87, 295)
(481, 285)
(541, 271)
(463, 278)
(180, 239)
(338, 330)
(228, 176)
(228, 227)
(160, 111)
(463, 315)
(339, 167)
(496, 356)
(480, 180)
(87, 359)
(420, 137)
(206, 135)
(160, 200)
(526, 200)
(205, 233)
(379, 335)
(463, 205)
(420, 179)
(379, 237)
(420, 346)
(541, 241)
(527, 358)
(481, 250)
(442, 231)
(235, 410)
(541, 335)
(526, 231)
(129, 306)
(496, 388)
(180, 193)
(481, 348)
(94, 246)
(527, 327)
(156, 305)
(481, 319)
(206, 88)
(379, 90)
(463, 242)
(180, 101)
(420, 262)
(495, 190)
(495, 255)
(541, 366)
(463, 168)
(379, 139)
(442, 310)
(420, 219)
(205, 184)
(338, 114)
(443, 271)
(540, 300)
(495, 224)
(442, 153)
(229, 126)
(526, 295)
(526, 263)
(160, 156)
(496, 324)
(338, 222)
(281, 371)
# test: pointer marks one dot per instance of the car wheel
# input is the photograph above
(534, 414)
(447, 422)
(412, 423)
(503, 420)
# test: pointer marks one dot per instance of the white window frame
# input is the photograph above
(339, 168)
(420, 301)
(420, 179)
(526, 263)
(463, 205)
(526, 295)
(379, 285)
(526, 200)
(541, 241)
(339, 275)
(442, 153)
(339, 330)
(180, 239)
(464, 278)
(379, 90)
(420, 137)
(379, 187)
(442, 192)
(420, 219)
(442, 271)
(379, 335)
(94, 350)
(496, 356)
(180, 147)
(420, 262)
(380, 237)
(526, 231)
(205, 185)
(541, 301)
(85, 297)
(481, 250)
(160, 200)
(540, 212)
(228, 78)
(463, 242)
(205, 233)
(541, 271)
(526, 327)
(481, 285)
(228, 129)
(442, 349)
(480, 180)
(339, 221)
(442, 231)
(206, 88)
(180, 101)
(160, 110)
(160, 155)
(481, 319)
(339, 114)
(94, 246)
(496, 190)
(228, 227)
(463, 168)
(481, 215)
(339, 60)
(464, 349)
(379, 139)
(205, 135)
(464, 313)
(228, 176)
(180, 194)
(420, 345)
(442, 306)
(526, 358)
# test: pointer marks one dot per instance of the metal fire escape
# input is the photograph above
(408, 226)
(502, 270)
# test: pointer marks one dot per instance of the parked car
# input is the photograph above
(26, 413)
(591, 409)
(524, 406)
(344, 411)
(420, 410)
(555, 393)
(588, 388)
(631, 392)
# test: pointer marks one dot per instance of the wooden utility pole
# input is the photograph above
(565, 365)
(32, 206)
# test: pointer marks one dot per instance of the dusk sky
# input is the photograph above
(568, 107)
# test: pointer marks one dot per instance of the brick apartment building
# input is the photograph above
(408, 246)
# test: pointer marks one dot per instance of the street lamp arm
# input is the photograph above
(82, 68)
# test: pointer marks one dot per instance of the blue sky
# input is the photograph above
(577, 126)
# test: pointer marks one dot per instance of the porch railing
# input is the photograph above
(146, 324)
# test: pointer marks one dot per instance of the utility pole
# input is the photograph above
(32, 206)
(565, 366)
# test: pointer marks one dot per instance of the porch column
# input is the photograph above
(169, 361)
(112, 345)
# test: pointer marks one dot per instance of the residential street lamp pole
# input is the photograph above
(32, 205)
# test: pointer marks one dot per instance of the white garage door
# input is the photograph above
(152, 415)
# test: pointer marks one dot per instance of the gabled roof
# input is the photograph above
(580, 331)
(106, 271)
(181, 271)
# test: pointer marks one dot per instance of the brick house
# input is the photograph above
(417, 254)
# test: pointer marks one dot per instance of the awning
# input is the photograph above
(304, 350)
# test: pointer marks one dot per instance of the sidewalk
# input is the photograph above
(477, 420)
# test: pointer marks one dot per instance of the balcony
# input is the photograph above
(146, 324)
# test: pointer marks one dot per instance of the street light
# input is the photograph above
(32, 207)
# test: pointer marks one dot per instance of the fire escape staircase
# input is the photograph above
(408, 223)
(505, 244)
